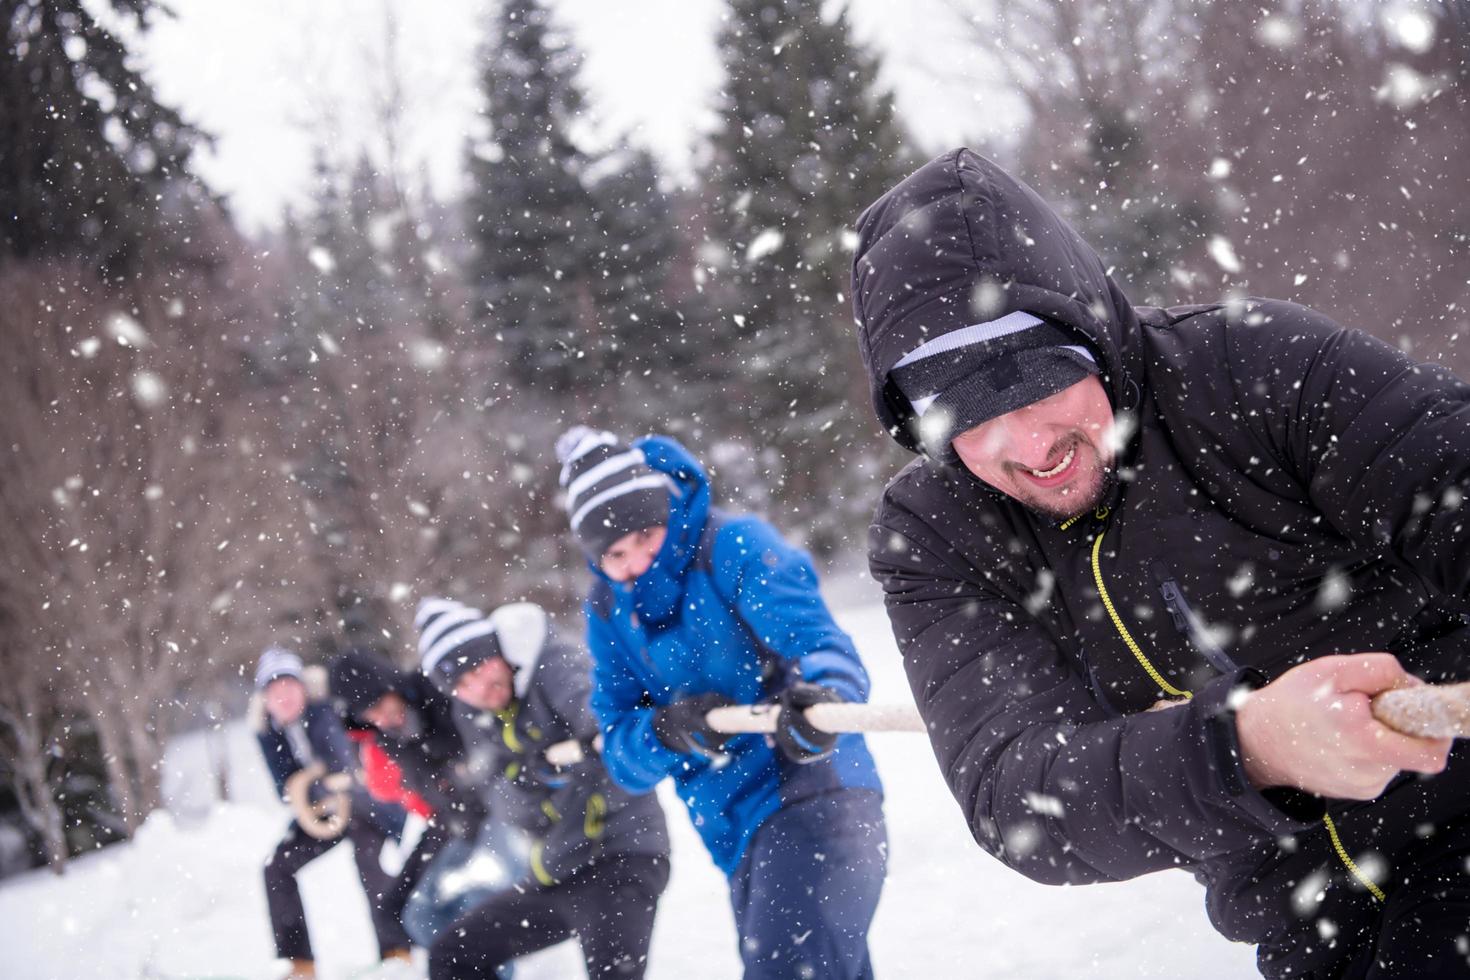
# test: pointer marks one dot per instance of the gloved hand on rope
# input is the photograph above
(681, 726)
(798, 739)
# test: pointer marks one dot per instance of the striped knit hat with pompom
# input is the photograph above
(611, 491)
(453, 638)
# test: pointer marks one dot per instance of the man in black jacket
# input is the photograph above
(1154, 565)
(599, 856)
(296, 731)
(415, 726)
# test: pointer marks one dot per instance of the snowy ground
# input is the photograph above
(185, 899)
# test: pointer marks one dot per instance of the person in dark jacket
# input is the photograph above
(415, 726)
(296, 731)
(1153, 565)
(599, 857)
(693, 609)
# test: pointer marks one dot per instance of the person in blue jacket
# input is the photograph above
(295, 731)
(693, 609)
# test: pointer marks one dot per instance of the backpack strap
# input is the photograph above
(704, 560)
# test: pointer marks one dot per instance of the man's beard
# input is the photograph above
(1084, 502)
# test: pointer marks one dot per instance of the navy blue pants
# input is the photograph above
(806, 890)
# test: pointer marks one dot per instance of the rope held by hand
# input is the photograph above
(1427, 711)
(327, 818)
(746, 719)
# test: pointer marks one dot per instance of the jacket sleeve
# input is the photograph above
(329, 739)
(277, 759)
(777, 593)
(1380, 442)
(569, 688)
(632, 753)
(1048, 782)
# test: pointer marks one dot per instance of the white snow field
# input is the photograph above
(185, 898)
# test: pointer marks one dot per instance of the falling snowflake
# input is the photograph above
(127, 331)
(1411, 28)
(1278, 31)
(763, 244)
(1223, 252)
(428, 355)
(1334, 592)
(321, 259)
(1046, 806)
(148, 389)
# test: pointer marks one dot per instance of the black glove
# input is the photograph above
(681, 726)
(796, 737)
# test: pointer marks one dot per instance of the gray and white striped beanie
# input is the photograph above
(611, 491)
(276, 662)
(960, 379)
(453, 638)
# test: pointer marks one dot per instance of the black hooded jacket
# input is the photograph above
(431, 751)
(1290, 489)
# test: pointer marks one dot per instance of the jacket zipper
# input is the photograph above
(1189, 624)
(1121, 627)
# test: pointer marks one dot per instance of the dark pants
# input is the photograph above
(806, 890)
(431, 845)
(296, 850)
(462, 874)
(1423, 931)
(609, 906)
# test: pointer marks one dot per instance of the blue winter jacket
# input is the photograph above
(748, 620)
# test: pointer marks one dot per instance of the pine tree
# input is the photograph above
(531, 213)
(641, 331)
(808, 140)
(90, 161)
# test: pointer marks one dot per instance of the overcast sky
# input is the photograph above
(270, 78)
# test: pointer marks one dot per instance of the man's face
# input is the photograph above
(388, 714)
(486, 686)
(285, 700)
(1054, 456)
(631, 555)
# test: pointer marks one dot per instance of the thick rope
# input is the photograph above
(327, 818)
(1428, 711)
(745, 719)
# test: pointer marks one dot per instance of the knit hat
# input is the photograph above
(274, 663)
(611, 491)
(968, 376)
(453, 638)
